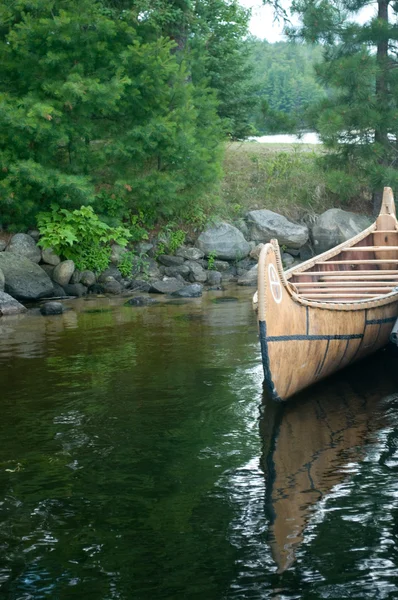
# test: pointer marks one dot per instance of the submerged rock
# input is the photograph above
(52, 308)
(189, 291)
(140, 301)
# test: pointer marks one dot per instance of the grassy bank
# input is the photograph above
(284, 178)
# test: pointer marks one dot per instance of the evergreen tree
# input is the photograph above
(358, 122)
(96, 109)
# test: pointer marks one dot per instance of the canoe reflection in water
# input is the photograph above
(309, 442)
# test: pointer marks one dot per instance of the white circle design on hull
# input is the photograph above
(275, 284)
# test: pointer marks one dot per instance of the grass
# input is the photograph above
(285, 178)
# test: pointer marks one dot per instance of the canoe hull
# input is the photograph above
(302, 343)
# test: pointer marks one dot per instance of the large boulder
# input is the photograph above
(189, 291)
(9, 306)
(190, 253)
(225, 241)
(49, 257)
(24, 245)
(63, 272)
(167, 286)
(2, 281)
(24, 279)
(336, 226)
(197, 272)
(265, 225)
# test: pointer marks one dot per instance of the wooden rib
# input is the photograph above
(354, 290)
(344, 283)
(346, 273)
(385, 231)
(359, 278)
(362, 261)
(369, 248)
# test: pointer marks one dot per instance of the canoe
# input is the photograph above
(329, 311)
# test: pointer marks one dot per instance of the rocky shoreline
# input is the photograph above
(220, 254)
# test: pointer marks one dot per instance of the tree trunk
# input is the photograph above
(381, 131)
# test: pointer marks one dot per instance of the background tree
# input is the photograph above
(358, 121)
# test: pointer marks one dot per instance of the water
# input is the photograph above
(306, 138)
(137, 461)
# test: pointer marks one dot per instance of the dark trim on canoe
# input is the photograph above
(319, 369)
(380, 321)
(288, 338)
(268, 383)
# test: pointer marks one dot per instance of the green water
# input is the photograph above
(136, 463)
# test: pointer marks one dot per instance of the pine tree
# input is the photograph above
(358, 122)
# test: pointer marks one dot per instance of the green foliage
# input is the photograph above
(98, 108)
(127, 263)
(285, 83)
(79, 235)
(211, 259)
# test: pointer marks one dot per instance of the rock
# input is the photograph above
(35, 234)
(139, 286)
(336, 226)
(170, 261)
(63, 272)
(249, 278)
(10, 306)
(215, 288)
(190, 253)
(287, 260)
(111, 286)
(96, 288)
(52, 308)
(141, 301)
(143, 247)
(166, 286)
(76, 276)
(49, 257)
(24, 279)
(3, 245)
(225, 241)
(58, 291)
(189, 291)
(214, 278)
(24, 245)
(181, 270)
(243, 228)
(255, 253)
(221, 265)
(244, 265)
(111, 271)
(48, 269)
(87, 278)
(306, 252)
(117, 254)
(293, 251)
(151, 269)
(2, 281)
(265, 225)
(197, 272)
(75, 289)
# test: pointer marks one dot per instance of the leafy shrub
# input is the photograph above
(80, 235)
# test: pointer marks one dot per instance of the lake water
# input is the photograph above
(139, 461)
(307, 138)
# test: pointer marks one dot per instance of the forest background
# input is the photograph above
(134, 107)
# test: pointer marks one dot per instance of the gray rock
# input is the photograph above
(10, 306)
(190, 253)
(24, 245)
(151, 268)
(293, 251)
(2, 281)
(244, 265)
(117, 254)
(214, 278)
(52, 308)
(255, 252)
(225, 240)
(221, 265)
(197, 272)
(287, 260)
(139, 286)
(76, 276)
(181, 270)
(170, 261)
(166, 286)
(3, 245)
(243, 228)
(35, 234)
(75, 289)
(47, 269)
(24, 279)
(140, 301)
(63, 272)
(143, 247)
(49, 257)
(336, 226)
(96, 288)
(111, 286)
(189, 291)
(58, 291)
(111, 271)
(306, 251)
(265, 225)
(249, 278)
(87, 278)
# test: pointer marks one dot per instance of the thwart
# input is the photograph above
(329, 311)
